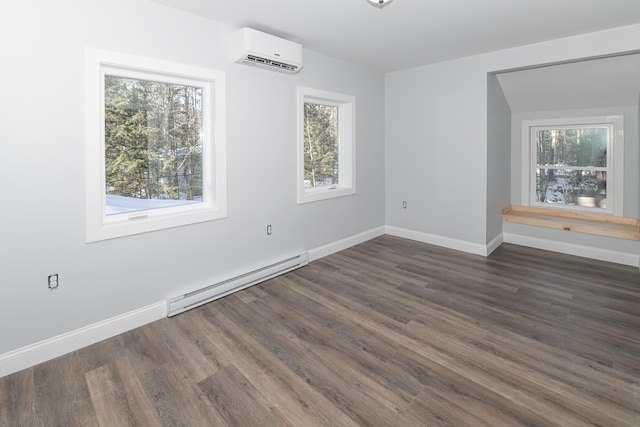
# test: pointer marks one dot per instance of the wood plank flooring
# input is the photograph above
(388, 333)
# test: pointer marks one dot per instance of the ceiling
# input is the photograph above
(409, 33)
(596, 83)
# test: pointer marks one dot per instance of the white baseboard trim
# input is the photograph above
(446, 242)
(591, 252)
(494, 244)
(51, 348)
(346, 243)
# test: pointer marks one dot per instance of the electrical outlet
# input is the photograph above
(404, 205)
(53, 281)
(269, 230)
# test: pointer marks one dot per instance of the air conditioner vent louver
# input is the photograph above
(276, 64)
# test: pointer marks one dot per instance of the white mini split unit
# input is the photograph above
(263, 50)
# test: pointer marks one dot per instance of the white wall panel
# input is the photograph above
(42, 138)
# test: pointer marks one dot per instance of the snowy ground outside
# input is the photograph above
(121, 204)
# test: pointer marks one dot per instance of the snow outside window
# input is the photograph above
(326, 145)
(155, 145)
(574, 164)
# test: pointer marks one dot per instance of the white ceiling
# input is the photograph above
(409, 33)
(603, 82)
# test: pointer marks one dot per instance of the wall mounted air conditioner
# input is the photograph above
(266, 51)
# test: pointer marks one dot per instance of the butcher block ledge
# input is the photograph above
(602, 225)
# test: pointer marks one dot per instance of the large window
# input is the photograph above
(326, 145)
(574, 164)
(155, 145)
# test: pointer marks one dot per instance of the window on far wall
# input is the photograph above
(574, 164)
(326, 145)
(155, 145)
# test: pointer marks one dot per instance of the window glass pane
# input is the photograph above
(572, 147)
(586, 188)
(320, 145)
(153, 144)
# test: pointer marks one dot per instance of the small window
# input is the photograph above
(326, 145)
(575, 164)
(155, 145)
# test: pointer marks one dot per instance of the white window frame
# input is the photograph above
(615, 161)
(99, 226)
(346, 144)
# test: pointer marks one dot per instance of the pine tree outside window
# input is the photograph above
(153, 144)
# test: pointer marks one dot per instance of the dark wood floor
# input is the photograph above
(388, 333)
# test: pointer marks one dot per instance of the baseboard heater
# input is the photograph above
(179, 304)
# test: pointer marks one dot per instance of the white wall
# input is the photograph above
(437, 127)
(42, 137)
(437, 121)
(416, 129)
(498, 154)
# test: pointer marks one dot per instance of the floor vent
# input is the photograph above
(193, 299)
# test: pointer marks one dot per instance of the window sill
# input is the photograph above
(601, 225)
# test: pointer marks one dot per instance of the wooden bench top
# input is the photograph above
(599, 224)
